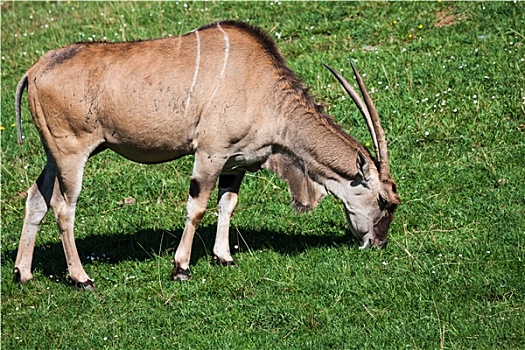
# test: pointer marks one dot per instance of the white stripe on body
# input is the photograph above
(197, 64)
(225, 62)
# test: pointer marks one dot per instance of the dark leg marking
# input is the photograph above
(226, 181)
(195, 188)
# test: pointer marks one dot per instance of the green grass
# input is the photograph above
(448, 80)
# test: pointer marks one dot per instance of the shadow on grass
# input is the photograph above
(148, 244)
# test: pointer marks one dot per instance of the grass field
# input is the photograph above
(449, 81)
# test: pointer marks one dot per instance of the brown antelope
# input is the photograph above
(222, 93)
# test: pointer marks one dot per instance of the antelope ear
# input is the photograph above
(363, 168)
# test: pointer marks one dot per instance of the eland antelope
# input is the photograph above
(222, 93)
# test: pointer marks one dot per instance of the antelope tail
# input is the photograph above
(22, 85)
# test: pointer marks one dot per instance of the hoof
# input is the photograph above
(21, 278)
(16, 275)
(225, 262)
(87, 285)
(180, 274)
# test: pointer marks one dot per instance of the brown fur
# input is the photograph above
(222, 93)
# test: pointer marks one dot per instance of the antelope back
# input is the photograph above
(209, 87)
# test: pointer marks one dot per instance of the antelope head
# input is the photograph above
(371, 197)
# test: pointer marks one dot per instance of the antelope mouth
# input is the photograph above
(371, 242)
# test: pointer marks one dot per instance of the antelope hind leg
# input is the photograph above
(37, 205)
(64, 202)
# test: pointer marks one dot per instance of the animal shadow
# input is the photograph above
(149, 244)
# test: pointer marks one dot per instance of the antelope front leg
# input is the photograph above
(37, 205)
(228, 194)
(205, 174)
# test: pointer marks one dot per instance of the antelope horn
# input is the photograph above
(360, 105)
(384, 170)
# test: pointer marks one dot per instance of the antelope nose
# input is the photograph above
(378, 243)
